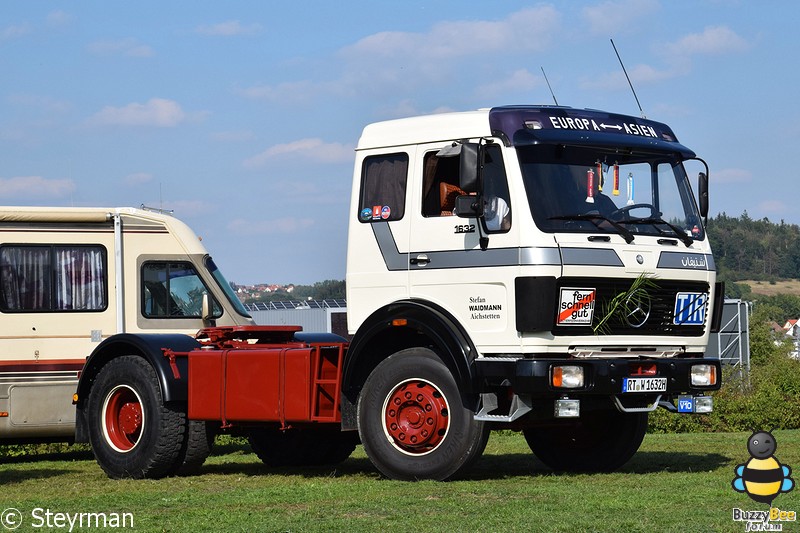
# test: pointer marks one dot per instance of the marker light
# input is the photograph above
(566, 408)
(703, 404)
(704, 375)
(567, 377)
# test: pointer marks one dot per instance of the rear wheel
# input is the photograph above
(601, 441)
(412, 421)
(132, 433)
(199, 442)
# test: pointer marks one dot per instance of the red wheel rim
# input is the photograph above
(416, 417)
(123, 418)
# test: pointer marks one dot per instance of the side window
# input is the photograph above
(439, 185)
(49, 278)
(497, 202)
(383, 187)
(174, 290)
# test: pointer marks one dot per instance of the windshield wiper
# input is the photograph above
(594, 218)
(685, 239)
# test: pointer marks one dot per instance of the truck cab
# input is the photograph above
(554, 259)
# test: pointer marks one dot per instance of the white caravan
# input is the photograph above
(72, 277)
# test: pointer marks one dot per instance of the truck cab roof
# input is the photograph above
(528, 124)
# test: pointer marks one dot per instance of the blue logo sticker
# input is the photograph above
(685, 404)
(690, 308)
(366, 214)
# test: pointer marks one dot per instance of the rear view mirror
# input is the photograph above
(702, 192)
(469, 166)
(468, 206)
(206, 311)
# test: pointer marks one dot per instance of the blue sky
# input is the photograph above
(243, 116)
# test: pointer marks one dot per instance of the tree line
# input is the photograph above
(329, 289)
(745, 248)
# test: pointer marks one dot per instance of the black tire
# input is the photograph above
(302, 447)
(197, 447)
(601, 441)
(132, 433)
(412, 422)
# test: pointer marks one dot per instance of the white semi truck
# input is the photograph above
(537, 268)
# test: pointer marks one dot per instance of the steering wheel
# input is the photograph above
(624, 211)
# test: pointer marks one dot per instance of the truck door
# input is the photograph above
(377, 251)
(446, 263)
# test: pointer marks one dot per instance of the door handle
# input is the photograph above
(420, 260)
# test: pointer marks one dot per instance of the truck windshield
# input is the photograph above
(584, 189)
(226, 287)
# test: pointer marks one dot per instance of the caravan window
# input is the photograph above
(50, 278)
(174, 290)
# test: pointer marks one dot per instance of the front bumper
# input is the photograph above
(601, 376)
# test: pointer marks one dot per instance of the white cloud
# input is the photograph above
(277, 226)
(12, 32)
(137, 178)
(126, 47)
(610, 17)
(387, 62)
(42, 103)
(37, 186)
(56, 19)
(641, 74)
(189, 208)
(233, 136)
(520, 81)
(731, 175)
(228, 29)
(283, 92)
(773, 206)
(391, 62)
(714, 40)
(527, 30)
(313, 149)
(155, 112)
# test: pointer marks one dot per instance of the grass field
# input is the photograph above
(768, 288)
(675, 483)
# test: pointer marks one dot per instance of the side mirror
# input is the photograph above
(469, 166)
(206, 310)
(468, 206)
(702, 189)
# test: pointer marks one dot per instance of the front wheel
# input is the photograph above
(601, 441)
(132, 433)
(412, 422)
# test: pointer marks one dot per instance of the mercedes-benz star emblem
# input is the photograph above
(637, 309)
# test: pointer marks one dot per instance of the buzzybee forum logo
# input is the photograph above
(763, 478)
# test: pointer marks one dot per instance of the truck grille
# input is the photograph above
(659, 321)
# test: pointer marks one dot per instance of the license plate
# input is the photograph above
(644, 385)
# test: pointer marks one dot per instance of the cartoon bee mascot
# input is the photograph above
(762, 477)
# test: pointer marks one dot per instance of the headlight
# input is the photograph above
(567, 377)
(704, 375)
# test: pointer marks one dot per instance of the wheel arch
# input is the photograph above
(148, 346)
(400, 325)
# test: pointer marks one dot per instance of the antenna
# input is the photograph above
(628, 77)
(548, 85)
